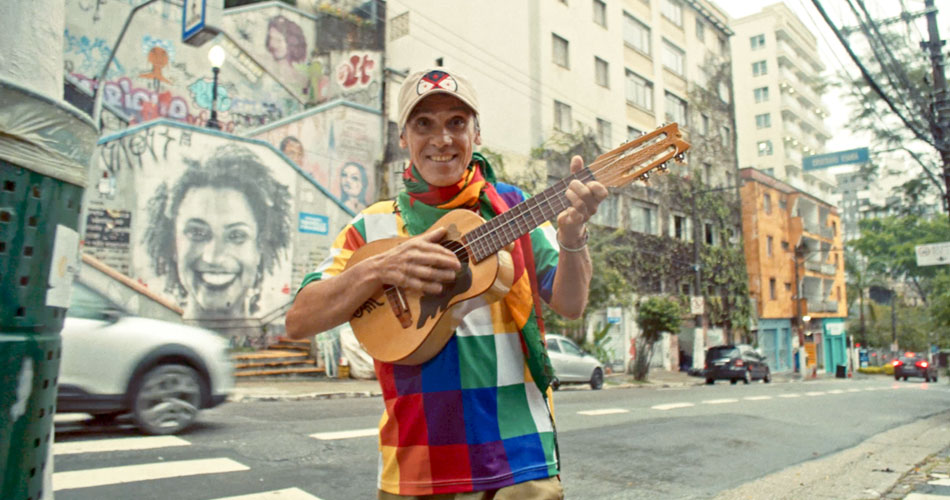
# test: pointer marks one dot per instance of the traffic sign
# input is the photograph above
(933, 254)
(859, 155)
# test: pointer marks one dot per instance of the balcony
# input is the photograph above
(830, 269)
(822, 306)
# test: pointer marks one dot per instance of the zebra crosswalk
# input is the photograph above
(71, 481)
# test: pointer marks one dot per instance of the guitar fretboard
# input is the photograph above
(489, 238)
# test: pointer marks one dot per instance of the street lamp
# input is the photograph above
(216, 56)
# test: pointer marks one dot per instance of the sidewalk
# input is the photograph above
(299, 388)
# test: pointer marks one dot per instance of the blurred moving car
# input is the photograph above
(572, 364)
(914, 365)
(161, 373)
(734, 363)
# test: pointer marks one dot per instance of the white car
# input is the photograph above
(572, 364)
(162, 373)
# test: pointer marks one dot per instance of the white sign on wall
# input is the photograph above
(933, 254)
(696, 305)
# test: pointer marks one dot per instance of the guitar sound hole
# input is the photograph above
(458, 249)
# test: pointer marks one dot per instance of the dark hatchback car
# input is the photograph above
(735, 363)
(914, 365)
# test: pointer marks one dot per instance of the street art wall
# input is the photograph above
(283, 40)
(224, 227)
(338, 144)
(155, 75)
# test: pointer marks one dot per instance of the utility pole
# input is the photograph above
(941, 124)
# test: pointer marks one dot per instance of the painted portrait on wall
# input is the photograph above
(216, 233)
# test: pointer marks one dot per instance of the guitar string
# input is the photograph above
(603, 163)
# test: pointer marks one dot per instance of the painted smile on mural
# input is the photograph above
(217, 249)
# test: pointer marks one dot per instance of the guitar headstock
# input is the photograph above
(635, 159)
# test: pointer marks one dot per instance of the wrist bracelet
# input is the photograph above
(574, 250)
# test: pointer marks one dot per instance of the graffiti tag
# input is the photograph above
(355, 72)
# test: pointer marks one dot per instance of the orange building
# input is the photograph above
(795, 261)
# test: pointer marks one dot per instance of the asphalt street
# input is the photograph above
(851, 438)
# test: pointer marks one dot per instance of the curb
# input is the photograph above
(245, 398)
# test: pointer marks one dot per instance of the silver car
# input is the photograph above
(161, 373)
(572, 364)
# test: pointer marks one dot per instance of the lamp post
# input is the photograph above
(216, 56)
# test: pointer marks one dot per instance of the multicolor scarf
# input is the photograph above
(421, 205)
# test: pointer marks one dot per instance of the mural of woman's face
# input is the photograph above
(276, 44)
(216, 248)
(294, 151)
(351, 181)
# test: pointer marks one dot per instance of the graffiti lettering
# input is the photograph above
(355, 72)
(145, 104)
(127, 152)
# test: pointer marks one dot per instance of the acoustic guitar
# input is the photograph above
(403, 327)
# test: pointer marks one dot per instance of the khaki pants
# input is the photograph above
(539, 489)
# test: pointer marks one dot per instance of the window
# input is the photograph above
(709, 233)
(562, 117)
(783, 205)
(704, 123)
(768, 246)
(784, 245)
(761, 94)
(763, 121)
(636, 34)
(757, 42)
(673, 10)
(601, 72)
(675, 109)
(772, 288)
(560, 47)
(765, 148)
(607, 213)
(767, 203)
(723, 46)
(759, 68)
(639, 91)
(788, 287)
(674, 58)
(642, 219)
(633, 133)
(680, 230)
(604, 134)
(600, 13)
(726, 137)
(707, 173)
(700, 29)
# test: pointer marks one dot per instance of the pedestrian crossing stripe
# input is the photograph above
(329, 436)
(286, 494)
(89, 478)
(119, 444)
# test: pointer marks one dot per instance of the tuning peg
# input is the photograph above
(663, 167)
(680, 157)
(644, 176)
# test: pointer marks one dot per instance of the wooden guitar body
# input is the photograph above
(397, 326)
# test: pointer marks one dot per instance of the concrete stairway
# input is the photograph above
(285, 358)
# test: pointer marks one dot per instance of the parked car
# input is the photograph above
(914, 365)
(161, 373)
(572, 364)
(734, 363)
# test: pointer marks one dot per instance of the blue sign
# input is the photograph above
(192, 18)
(859, 155)
(313, 223)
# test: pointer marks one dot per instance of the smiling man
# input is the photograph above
(474, 421)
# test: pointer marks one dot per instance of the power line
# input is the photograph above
(867, 76)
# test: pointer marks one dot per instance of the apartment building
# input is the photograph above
(793, 247)
(781, 118)
(614, 68)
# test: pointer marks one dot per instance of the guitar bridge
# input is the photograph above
(397, 301)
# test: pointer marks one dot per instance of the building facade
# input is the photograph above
(777, 73)
(794, 254)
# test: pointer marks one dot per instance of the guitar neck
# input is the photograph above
(499, 232)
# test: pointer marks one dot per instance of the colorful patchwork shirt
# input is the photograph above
(471, 418)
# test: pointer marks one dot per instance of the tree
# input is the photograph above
(894, 62)
(655, 315)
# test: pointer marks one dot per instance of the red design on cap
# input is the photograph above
(436, 80)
